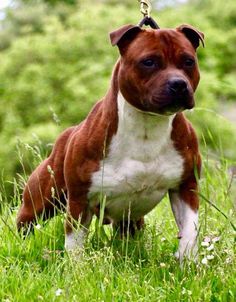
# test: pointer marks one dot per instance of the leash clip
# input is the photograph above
(145, 9)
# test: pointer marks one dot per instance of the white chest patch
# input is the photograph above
(141, 165)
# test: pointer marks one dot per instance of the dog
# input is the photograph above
(134, 147)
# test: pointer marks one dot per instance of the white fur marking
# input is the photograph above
(187, 221)
(75, 239)
(188, 241)
(142, 164)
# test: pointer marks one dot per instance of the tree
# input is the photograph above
(51, 2)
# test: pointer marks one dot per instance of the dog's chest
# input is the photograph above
(141, 165)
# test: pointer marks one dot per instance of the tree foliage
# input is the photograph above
(51, 2)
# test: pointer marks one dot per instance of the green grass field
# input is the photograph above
(134, 269)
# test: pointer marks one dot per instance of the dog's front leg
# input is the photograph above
(184, 204)
(78, 219)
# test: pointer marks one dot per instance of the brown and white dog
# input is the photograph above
(135, 145)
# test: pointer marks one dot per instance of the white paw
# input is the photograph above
(187, 250)
(75, 240)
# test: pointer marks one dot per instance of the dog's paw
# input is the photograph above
(75, 240)
(187, 251)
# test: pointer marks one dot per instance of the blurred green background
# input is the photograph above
(56, 61)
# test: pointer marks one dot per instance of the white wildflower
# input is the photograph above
(207, 239)
(211, 247)
(215, 239)
(205, 243)
(162, 264)
(58, 292)
(210, 257)
(204, 261)
(163, 239)
(38, 226)
(184, 290)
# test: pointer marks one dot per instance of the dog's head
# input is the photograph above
(158, 68)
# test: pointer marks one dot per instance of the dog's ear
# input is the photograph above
(124, 35)
(192, 34)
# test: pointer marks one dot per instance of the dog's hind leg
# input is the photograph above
(44, 191)
(126, 227)
(41, 194)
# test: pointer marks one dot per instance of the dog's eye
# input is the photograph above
(189, 62)
(148, 63)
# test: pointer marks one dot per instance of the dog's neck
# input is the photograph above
(134, 122)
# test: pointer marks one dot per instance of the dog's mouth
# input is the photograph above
(172, 97)
(175, 96)
(168, 104)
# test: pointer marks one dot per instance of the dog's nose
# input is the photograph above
(178, 86)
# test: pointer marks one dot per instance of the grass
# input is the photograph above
(138, 269)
